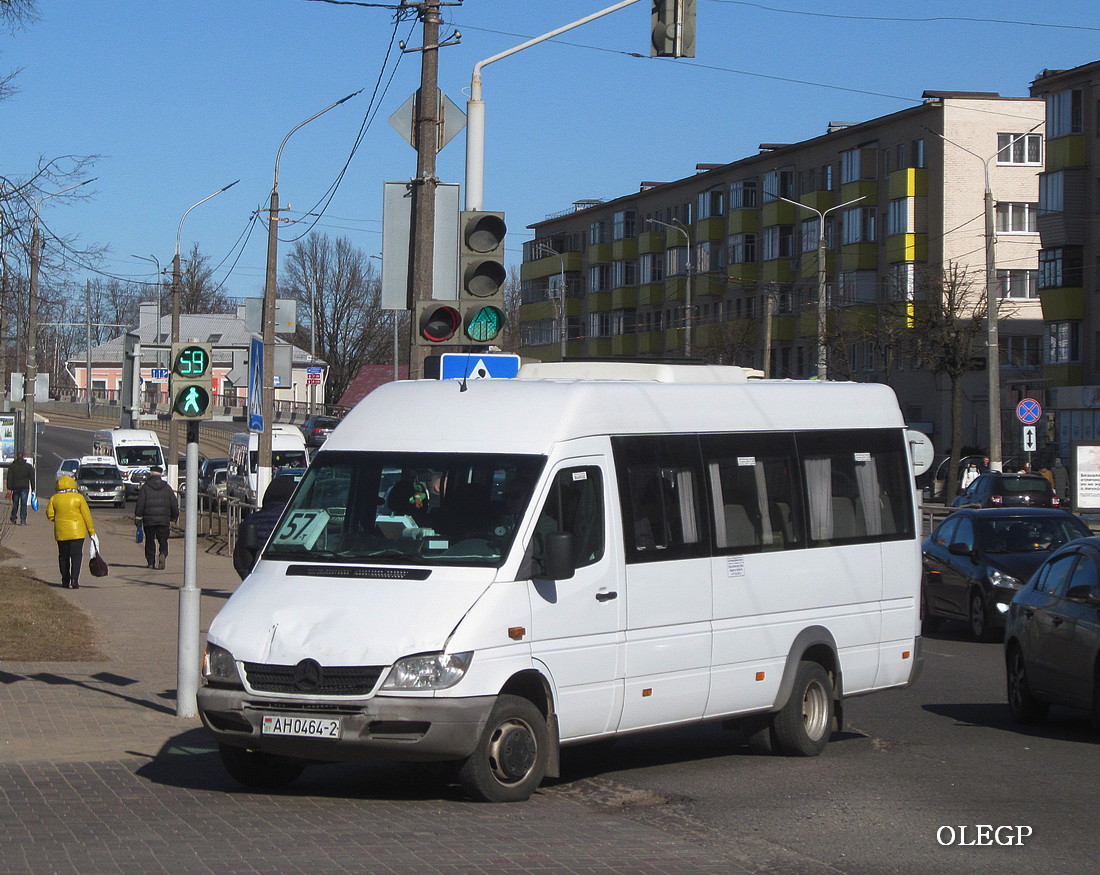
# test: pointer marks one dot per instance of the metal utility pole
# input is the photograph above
(426, 125)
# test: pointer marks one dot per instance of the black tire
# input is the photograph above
(262, 771)
(802, 727)
(981, 625)
(510, 760)
(759, 735)
(1022, 705)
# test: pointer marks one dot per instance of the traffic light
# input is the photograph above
(482, 275)
(673, 34)
(190, 384)
(438, 322)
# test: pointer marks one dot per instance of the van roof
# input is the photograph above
(548, 405)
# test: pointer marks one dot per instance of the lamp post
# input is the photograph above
(992, 339)
(173, 435)
(822, 247)
(688, 269)
(549, 250)
(31, 372)
(267, 390)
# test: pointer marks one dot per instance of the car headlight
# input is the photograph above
(435, 671)
(219, 666)
(1007, 581)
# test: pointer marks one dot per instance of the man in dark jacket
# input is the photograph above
(157, 508)
(20, 482)
(254, 531)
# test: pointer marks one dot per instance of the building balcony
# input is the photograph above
(651, 294)
(746, 221)
(624, 297)
(713, 228)
(1067, 151)
(1063, 304)
(1064, 375)
(778, 270)
(624, 344)
(864, 188)
(743, 274)
(599, 253)
(908, 182)
(625, 249)
(779, 213)
(651, 242)
(859, 256)
(906, 247)
(551, 265)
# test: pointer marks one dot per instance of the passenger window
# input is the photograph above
(575, 504)
(965, 533)
(1055, 577)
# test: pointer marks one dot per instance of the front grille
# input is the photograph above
(329, 680)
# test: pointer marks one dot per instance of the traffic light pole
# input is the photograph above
(187, 666)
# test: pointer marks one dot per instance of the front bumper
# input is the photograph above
(383, 727)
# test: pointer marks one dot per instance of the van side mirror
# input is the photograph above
(558, 563)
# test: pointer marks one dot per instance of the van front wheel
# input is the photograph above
(510, 759)
(803, 726)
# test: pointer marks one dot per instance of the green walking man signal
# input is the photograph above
(190, 381)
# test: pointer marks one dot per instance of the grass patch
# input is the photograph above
(37, 624)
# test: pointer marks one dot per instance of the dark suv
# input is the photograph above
(316, 429)
(997, 489)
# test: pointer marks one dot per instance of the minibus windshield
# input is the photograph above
(407, 508)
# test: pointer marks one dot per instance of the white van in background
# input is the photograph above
(134, 450)
(588, 550)
(288, 450)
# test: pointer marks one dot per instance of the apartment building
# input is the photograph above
(1069, 261)
(724, 265)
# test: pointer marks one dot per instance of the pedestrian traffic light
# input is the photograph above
(673, 34)
(482, 275)
(190, 384)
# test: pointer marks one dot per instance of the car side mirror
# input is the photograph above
(960, 549)
(1085, 594)
(559, 563)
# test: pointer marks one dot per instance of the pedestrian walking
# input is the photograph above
(157, 508)
(1060, 480)
(255, 530)
(20, 482)
(72, 522)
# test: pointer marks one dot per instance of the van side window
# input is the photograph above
(755, 494)
(575, 504)
(855, 487)
(661, 487)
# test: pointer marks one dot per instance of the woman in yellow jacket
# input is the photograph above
(72, 522)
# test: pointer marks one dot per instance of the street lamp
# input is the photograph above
(267, 389)
(549, 250)
(31, 372)
(173, 445)
(688, 268)
(992, 339)
(822, 245)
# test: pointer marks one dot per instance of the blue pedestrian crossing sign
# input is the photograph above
(478, 366)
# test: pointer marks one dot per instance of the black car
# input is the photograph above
(997, 489)
(100, 481)
(316, 429)
(1052, 636)
(976, 560)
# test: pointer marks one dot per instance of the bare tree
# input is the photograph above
(338, 286)
(947, 328)
(198, 291)
(510, 337)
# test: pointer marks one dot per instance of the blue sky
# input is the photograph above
(180, 98)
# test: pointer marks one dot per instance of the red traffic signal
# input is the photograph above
(438, 322)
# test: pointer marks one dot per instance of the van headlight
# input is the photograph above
(434, 671)
(219, 666)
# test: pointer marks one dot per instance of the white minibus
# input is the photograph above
(134, 450)
(588, 550)
(288, 450)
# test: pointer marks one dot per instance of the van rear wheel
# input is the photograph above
(802, 727)
(510, 760)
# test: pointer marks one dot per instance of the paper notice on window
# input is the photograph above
(735, 566)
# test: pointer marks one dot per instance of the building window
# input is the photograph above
(597, 233)
(623, 227)
(856, 164)
(599, 324)
(900, 218)
(1021, 351)
(1019, 148)
(1014, 218)
(778, 241)
(742, 249)
(623, 273)
(743, 194)
(916, 158)
(599, 277)
(676, 261)
(811, 235)
(777, 184)
(903, 281)
(858, 225)
(856, 287)
(1062, 343)
(1052, 192)
(1060, 268)
(652, 267)
(1018, 283)
(1064, 113)
(709, 256)
(710, 203)
(827, 177)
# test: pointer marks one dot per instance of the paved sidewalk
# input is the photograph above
(125, 703)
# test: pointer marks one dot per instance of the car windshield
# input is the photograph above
(1029, 534)
(98, 472)
(407, 508)
(137, 456)
(1024, 486)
